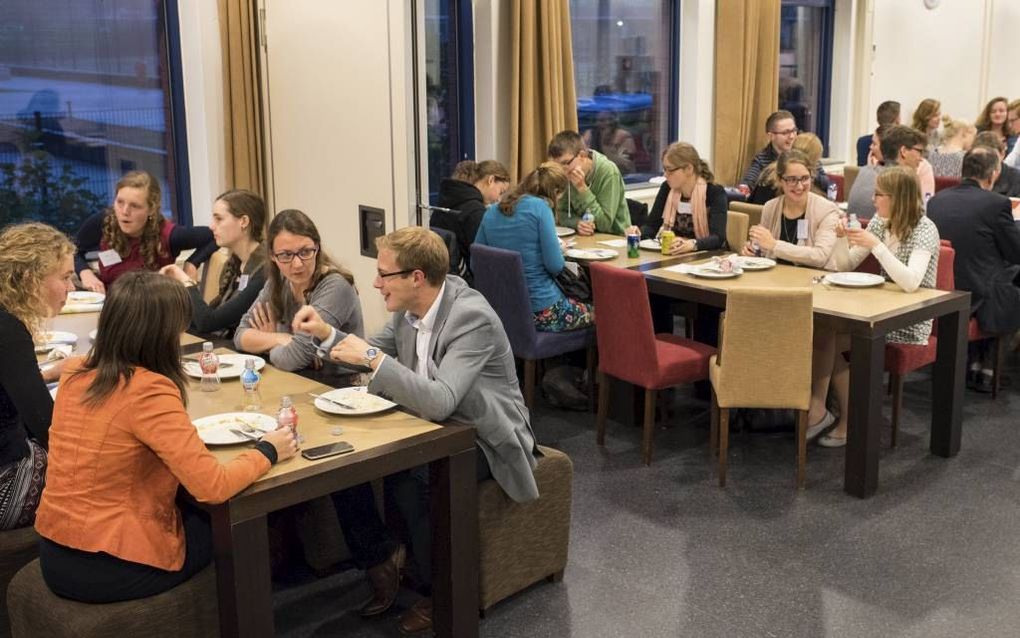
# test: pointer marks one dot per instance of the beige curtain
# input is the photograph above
(242, 103)
(543, 100)
(746, 81)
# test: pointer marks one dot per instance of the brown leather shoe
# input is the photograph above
(385, 579)
(417, 619)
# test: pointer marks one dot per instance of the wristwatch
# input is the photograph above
(370, 356)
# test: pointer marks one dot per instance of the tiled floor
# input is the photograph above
(663, 551)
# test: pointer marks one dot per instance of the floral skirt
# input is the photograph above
(565, 314)
(21, 485)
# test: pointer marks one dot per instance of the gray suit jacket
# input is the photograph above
(472, 380)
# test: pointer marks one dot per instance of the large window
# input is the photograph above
(626, 70)
(449, 91)
(805, 63)
(85, 97)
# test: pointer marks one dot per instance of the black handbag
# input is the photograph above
(576, 286)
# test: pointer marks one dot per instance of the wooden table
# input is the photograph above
(646, 260)
(79, 323)
(384, 444)
(867, 315)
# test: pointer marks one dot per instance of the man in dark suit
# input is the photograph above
(1008, 183)
(980, 225)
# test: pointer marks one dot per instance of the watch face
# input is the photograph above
(371, 353)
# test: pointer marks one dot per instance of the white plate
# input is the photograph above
(59, 336)
(650, 244)
(855, 279)
(592, 254)
(563, 231)
(215, 429)
(92, 334)
(85, 296)
(711, 272)
(232, 371)
(756, 263)
(357, 397)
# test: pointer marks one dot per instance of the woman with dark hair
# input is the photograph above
(238, 224)
(689, 203)
(523, 221)
(36, 269)
(122, 444)
(995, 117)
(472, 187)
(133, 234)
(299, 273)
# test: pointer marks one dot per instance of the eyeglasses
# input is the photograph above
(383, 275)
(920, 149)
(566, 163)
(794, 180)
(668, 171)
(287, 256)
(787, 132)
(878, 194)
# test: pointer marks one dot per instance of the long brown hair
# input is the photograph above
(150, 247)
(297, 223)
(924, 112)
(905, 209)
(140, 326)
(548, 181)
(241, 203)
(471, 171)
(682, 154)
(28, 254)
(984, 121)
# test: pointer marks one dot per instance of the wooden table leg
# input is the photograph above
(454, 490)
(947, 384)
(243, 585)
(867, 356)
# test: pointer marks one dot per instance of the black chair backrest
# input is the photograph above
(450, 240)
(638, 212)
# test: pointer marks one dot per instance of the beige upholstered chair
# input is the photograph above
(186, 611)
(849, 175)
(17, 548)
(737, 225)
(753, 211)
(764, 361)
(211, 274)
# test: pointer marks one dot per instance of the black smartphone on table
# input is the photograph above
(325, 451)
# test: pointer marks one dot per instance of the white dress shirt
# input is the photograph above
(424, 326)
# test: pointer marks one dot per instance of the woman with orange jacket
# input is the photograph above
(121, 443)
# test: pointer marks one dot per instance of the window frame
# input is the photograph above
(178, 136)
(827, 36)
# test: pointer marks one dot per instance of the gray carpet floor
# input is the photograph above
(663, 551)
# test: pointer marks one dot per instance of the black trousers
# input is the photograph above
(368, 538)
(98, 577)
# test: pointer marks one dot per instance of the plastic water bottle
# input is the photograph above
(210, 365)
(250, 379)
(287, 416)
(756, 248)
(853, 222)
(832, 191)
(587, 217)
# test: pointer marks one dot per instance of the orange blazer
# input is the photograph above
(114, 470)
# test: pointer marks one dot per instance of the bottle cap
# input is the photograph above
(207, 346)
(285, 401)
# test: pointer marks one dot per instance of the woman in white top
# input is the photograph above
(906, 245)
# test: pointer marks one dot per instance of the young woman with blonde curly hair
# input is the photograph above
(133, 234)
(36, 268)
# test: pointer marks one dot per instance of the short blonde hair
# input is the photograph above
(418, 248)
(811, 145)
(28, 254)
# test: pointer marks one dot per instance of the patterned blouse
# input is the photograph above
(925, 237)
(946, 164)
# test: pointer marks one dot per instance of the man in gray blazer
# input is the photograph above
(443, 355)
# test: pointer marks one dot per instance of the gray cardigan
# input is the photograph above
(334, 299)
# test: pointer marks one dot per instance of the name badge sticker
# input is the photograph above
(242, 282)
(109, 257)
(801, 229)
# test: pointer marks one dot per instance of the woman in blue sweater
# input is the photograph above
(523, 221)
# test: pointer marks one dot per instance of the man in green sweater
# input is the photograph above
(596, 187)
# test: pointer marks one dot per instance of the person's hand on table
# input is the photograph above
(747, 251)
(585, 229)
(174, 272)
(764, 238)
(351, 350)
(283, 440)
(861, 237)
(307, 319)
(89, 281)
(681, 246)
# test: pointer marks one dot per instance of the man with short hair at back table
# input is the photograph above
(595, 186)
(781, 129)
(887, 114)
(900, 146)
(443, 355)
(979, 223)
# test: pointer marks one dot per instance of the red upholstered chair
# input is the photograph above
(946, 182)
(629, 349)
(902, 358)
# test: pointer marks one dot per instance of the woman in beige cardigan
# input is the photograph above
(798, 227)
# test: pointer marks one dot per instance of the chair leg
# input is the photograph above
(996, 351)
(649, 426)
(896, 381)
(600, 414)
(689, 327)
(529, 383)
(802, 419)
(724, 443)
(713, 437)
(590, 371)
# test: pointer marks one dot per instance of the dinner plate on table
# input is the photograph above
(563, 231)
(56, 338)
(756, 263)
(592, 254)
(219, 429)
(92, 334)
(231, 365)
(357, 398)
(650, 244)
(85, 297)
(855, 279)
(712, 272)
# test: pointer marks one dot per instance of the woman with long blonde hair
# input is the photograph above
(36, 268)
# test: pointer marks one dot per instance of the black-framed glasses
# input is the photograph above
(920, 149)
(787, 132)
(793, 180)
(566, 163)
(287, 256)
(383, 275)
(669, 171)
